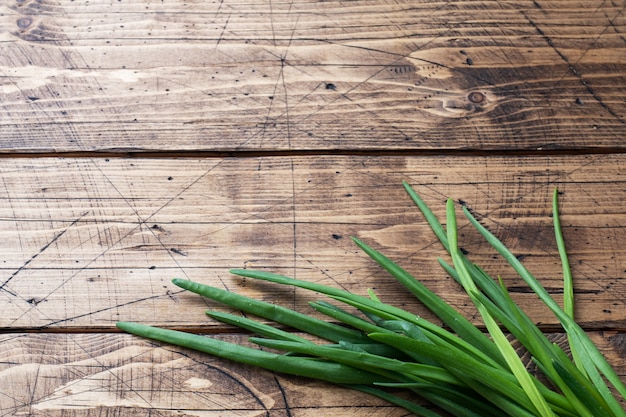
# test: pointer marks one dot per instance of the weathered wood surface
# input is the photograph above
(258, 97)
(119, 375)
(140, 75)
(87, 242)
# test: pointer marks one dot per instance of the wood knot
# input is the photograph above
(24, 22)
(476, 97)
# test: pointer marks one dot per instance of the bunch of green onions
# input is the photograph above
(464, 371)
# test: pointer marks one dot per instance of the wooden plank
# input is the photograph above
(97, 374)
(136, 75)
(87, 242)
(108, 374)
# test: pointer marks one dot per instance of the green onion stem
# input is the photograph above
(460, 369)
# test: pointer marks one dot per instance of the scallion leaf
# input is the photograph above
(460, 369)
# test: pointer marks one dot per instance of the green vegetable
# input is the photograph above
(464, 371)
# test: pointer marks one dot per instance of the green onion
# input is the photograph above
(458, 369)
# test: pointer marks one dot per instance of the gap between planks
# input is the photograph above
(203, 154)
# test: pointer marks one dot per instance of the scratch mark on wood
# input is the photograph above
(141, 223)
(283, 394)
(41, 250)
(219, 39)
(572, 68)
(109, 308)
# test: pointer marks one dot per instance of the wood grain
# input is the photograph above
(100, 374)
(87, 242)
(104, 374)
(142, 140)
(307, 75)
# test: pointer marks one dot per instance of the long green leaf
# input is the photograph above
(514, 362)
(256, 327)
(456, 321)
(363, 360)
(588, 351)
(453, 401)
(394, 399)
(397, 349)
(568, 285)
(312, 368)
(590, 401)
(274, 312)
(568, 281)
(466, 368)
(367, 305)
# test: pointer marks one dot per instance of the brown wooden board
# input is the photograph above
(263, 135)
(139, 75)
(86, 242)
(104, 374)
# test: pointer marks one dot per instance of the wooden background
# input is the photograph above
(142, 140)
